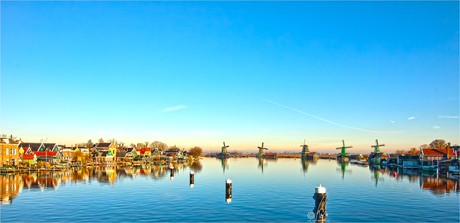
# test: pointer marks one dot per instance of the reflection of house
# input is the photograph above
(10, 185)
(9, 151)
(437, 185)
(271, 155)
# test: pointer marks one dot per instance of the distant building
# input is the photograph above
(9, 151)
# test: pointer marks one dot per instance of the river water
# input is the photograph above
(263, 191)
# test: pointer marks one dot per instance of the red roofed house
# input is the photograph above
(429, 155)
(48, 156)
(29, 158)
(144, 152)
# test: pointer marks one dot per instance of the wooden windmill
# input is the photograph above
(343, 148)
(261, 150)
(377, 146)
(305, 149)
(224, 149)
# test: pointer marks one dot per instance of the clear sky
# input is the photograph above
(200, 73)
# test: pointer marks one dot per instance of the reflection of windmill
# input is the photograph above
(261, 150)
(376, 174)
(376, 147)
(343, 156)
(343, 168)
(305, 165)
(262, 164)
(224, 164)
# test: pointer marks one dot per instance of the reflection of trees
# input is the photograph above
(196, 166)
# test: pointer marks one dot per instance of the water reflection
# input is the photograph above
(343, 168)
(306, 163)
(261, 164)
(224, 163)
(13, 184)
(378, 172)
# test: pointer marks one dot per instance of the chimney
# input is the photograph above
(448, 148)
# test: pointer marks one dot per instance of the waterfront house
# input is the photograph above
(67, 153)
(408, 161)
(107, 146)
(48, 156)
(308, 156)
(436, 155)
(30, 148)
(29, 158)
(271, 155)
(9, 152)
(84, 150)
(376, 158)
(144, 152)
(173, 152)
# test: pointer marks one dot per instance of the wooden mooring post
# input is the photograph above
(192, 179)
(320, 197)
(228, 191)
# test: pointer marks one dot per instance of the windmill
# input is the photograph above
(261, 150)
(305, 149)
(377, 146)
(224, 149)
(343, 154)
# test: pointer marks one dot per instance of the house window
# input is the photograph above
(14, 151)
(6, 151)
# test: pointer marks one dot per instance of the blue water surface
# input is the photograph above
(263, 191)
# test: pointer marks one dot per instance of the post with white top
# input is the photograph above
(228, 191)
(192, 179)
(172, 173)
(320, 197)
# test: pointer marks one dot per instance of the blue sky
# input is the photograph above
(199, 73)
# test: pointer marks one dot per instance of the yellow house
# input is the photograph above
(9, 153)
(107, 146)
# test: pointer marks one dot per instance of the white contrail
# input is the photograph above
(322, 119)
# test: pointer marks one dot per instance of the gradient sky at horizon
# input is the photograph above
(199, 73)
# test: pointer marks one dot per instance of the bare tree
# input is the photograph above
(101, 140)
(159, 145)
(400, 152)
(89, 144)
(438, 144)
(146, 143)
(424, 146)
(132, 145)
(414, 152)
(195, 151)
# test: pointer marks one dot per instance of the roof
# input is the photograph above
(33, 146)
(103, 144)
(437, 152)
(130, 150)
(45, 153)
(28, 156)
(49, 146)
(271, 154)
(121, 154)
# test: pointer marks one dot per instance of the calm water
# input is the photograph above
(263, 191)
